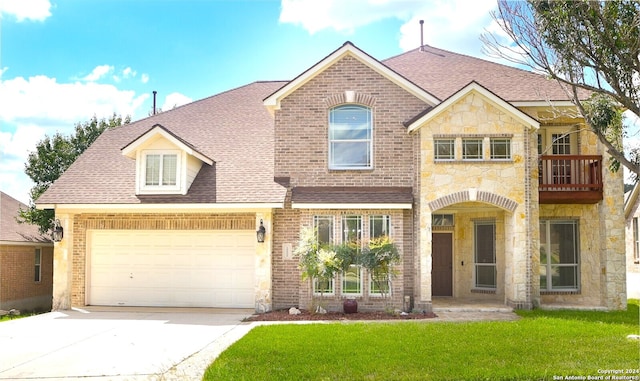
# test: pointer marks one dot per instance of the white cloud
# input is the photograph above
(129, 73)
(174, 100)
(446, 27)
(448, 24)
(39, 106)
(98, 72)
(144, 78)
(342, 16)
(34, 10)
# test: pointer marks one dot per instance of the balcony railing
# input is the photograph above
(570, 179)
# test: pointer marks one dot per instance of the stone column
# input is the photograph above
(518, 257)
(63, 265)
(613, 250)
(424, 300)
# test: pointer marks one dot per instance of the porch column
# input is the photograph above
(264, 254)
(518, 265)
(423, 299)
(612, 252)
(63, 265)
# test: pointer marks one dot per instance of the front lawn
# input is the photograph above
(541, 345)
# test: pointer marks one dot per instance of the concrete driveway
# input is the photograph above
(118, 344)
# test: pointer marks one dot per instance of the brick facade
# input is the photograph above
(138, 221)
(301, 152)
(18, 288)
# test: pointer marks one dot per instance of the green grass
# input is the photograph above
(538, 346)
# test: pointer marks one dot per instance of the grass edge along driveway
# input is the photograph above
(542, 345)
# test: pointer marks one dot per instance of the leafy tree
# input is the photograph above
(52, 156)
(590, 48)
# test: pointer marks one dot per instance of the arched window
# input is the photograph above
(350, 137)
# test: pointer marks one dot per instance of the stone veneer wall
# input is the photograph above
(502, 187)
(115, 221)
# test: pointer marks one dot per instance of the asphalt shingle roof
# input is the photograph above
(235, 130)
(352, 195)
(443, 73)
(232, 128)
(10, 229)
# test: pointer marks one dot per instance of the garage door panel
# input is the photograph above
(169, 268)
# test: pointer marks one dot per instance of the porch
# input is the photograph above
(448, 304)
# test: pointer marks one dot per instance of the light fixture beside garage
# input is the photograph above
(261, 232)
(58, 232)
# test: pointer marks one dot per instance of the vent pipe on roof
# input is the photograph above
(154, 101)
(421, 36)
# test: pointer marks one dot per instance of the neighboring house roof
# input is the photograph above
(443, 73)
(233, 129)
(11, 231)
(630, 199)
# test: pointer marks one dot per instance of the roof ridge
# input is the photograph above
(462, 55)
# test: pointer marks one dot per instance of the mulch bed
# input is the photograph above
(283, 315)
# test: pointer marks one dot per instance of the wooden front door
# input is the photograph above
(442, 264)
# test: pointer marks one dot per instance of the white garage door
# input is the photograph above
(171, 268)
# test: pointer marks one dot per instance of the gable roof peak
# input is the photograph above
(272, 102)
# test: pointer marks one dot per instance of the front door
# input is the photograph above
(442, 264)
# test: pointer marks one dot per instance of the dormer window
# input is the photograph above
(165, 163)
(350, 137)
(161, 170)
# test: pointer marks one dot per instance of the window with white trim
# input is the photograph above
(500, 148)
(350, 137)
(485, 254)
(444, 149)
(37, 265)
(352, 234)
(161, 170)
(472, 149)
(559, 255)
(379, 226)
(323, 225)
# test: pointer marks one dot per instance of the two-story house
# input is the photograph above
(479, 173)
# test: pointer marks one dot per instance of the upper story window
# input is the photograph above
(161, 170)
(350, 137)
(444, 149)
(485, 148)
(472, 149)
(500, 149)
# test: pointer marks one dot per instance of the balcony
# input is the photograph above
(570, 179)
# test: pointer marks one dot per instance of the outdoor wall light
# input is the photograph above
(58, 232)
(261, 232)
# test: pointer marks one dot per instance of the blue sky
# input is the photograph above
(62, 61)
